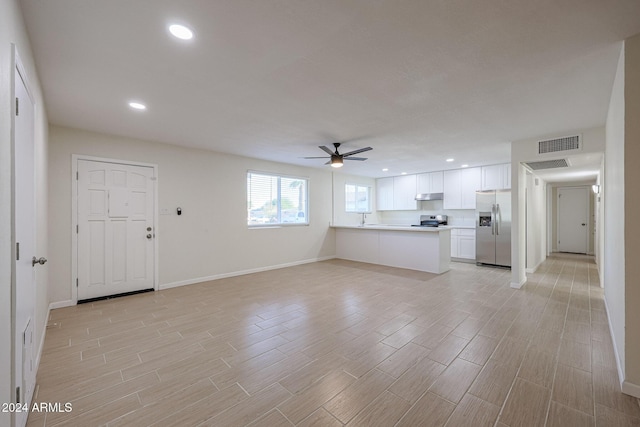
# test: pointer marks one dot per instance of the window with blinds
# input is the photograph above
(358, 198)
(276, 200)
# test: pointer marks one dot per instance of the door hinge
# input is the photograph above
(77, 229)
(77, 175)
(18, 395)
(76, 282)
(17, 251)
(17, 107)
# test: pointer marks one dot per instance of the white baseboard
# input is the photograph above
(40, 348)
(615, 347)
(61, 304)
(631, 389)
(240, 273)
(515, 285)
(533, 270)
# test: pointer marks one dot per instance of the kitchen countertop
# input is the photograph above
(392, 227)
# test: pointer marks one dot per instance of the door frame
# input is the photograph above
(74, 216)
(587, 209)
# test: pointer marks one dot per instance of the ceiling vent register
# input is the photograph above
(548, 164)
(567, 143)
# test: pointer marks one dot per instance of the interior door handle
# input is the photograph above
(583, 224)
(41, 261)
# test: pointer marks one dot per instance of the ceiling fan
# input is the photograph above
(336, 159)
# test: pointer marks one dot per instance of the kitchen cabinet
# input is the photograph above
(384, 194)
(452, 190)
(396, 193)
(416, 248)
(470, 183)
(431, 182)
(404, 193)
(460, 186)
(496, 177)
(463, 243)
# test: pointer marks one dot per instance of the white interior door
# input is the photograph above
(116, 229)
(25, 229)
(573, 224)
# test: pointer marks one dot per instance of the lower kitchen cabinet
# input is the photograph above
(463, 243)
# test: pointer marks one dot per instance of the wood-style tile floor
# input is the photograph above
(342, 343)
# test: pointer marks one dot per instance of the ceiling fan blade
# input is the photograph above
(362, 150)
(328, 163)
(323, 157)
(355, 158)
(326, 150)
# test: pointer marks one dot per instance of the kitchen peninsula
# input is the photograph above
(416, 248)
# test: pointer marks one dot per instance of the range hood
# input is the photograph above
(429, 196)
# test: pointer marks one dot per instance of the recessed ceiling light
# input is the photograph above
(137, 106)
(181, 32)
(450, 160)
(385, 170)
(464, 166)
(403, 173)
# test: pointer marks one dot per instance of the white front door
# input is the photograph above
(116, 229)
(25, 226)
(573, 214)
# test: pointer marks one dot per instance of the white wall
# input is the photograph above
(631, 208)
(613, 261)
(211, 238)
(12, 31)
(599, 227)
(536, 222)
(340, 216)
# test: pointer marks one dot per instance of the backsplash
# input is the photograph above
(461, 217)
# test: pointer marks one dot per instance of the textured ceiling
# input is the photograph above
(419, 80)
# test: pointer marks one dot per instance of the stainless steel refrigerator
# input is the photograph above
(493, 227)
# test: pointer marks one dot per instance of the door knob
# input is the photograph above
(148, 236)
(41, 261)
(583, 224)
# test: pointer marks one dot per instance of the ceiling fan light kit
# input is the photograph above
(336, 159)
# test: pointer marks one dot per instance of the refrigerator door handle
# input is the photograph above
(498, 218)
(493, 219)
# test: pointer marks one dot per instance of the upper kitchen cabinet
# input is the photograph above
(496, 177)
(460, 186)
(396, 193)
(404, 193)
(432, 182)
(384, 194)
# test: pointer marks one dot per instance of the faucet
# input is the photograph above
(363, 218)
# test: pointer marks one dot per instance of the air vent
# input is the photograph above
(548, 164)
(567, 143)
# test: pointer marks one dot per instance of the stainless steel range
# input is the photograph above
(431, 221)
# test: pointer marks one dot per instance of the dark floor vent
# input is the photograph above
(548, 164)
(567, 143)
